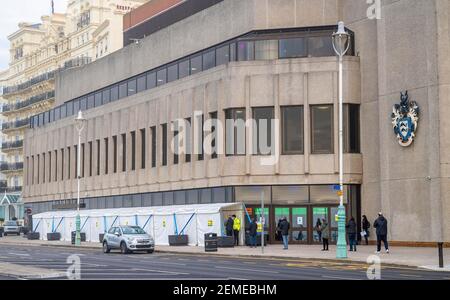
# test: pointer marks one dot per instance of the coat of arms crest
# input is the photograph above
(405, 118)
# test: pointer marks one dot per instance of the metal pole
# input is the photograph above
(341, 250)
(262, 221)
(78, 220)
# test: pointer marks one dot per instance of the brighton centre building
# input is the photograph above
(213, 61)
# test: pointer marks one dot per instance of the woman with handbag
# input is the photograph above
(365, 227)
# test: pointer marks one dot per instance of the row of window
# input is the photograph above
(292, 140)
(264, 45)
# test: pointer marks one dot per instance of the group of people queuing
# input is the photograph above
(380, 225)
(322, 228)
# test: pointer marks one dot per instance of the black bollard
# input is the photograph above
(441, 255)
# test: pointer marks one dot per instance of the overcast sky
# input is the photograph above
(16, 11)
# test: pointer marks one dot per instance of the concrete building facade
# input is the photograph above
(264, 60)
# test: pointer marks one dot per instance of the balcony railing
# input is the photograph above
(35, 80)
(16, 124)
(12, 145)
(28, 102)
(76, 62)
(5, 167)
(10, 189)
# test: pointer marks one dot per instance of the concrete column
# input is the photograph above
(306, 123)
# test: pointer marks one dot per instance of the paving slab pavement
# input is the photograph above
(26, 272)
(404, 256)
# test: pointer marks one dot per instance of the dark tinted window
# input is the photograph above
(161, 77)
(106, 96)
(114, 93)
(132, 87)
(295, 47)
(263, 135)
(196, 64)
(233, 54)
(322, 129)
(141, 83)
(76, 106)
(123, 90)
(98, 99)
(235, 131)
(90, 101)
(172, 73)
(63, 111)
(209, 60)
(246, 51)
(151, 80)
(153, 133)
(351, 129)
(69, 108)
(183, 69)
(83, 103)
(52, 115)
(57, 113)
(292, 129)
(164, 144)
(222, 55)
(320, 46)
(213, 117)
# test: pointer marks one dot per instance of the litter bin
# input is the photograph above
(210, 242)
(74, 234)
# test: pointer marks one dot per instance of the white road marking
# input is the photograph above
(251, 270)
(19, 254)
(411, 275)
(164, 263)
(160, 271)
(339, 277)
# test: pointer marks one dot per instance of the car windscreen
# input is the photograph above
(10, 223)
(132, 230)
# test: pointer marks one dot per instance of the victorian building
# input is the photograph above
(231, 60)
(90, 29)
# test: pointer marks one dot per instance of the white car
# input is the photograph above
(128, 239)
(11, 227)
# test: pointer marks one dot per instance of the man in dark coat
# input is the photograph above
(381, 229)
(351, 232)
(252, 232)
(284, 228)
(229, 226)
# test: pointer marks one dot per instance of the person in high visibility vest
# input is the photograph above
(236, 229)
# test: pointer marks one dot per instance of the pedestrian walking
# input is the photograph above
(325, 234)
(278, 232)
(284, 229)
(253, 229)
(229, 226)
(365, 227)
(351, 232)
(381, 224)
(236, 229)
(319, 229)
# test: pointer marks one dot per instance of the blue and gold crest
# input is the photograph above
(405, 118)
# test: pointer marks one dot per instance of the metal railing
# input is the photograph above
(16, 124)
(76, 62)
(12, 145)
(10, 189)
(28, 102)
(35, 80)
(11, 166)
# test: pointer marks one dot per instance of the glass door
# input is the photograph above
(319, 213)
(280, 212)
(299, 224)
(266, 222)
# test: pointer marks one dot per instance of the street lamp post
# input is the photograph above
(79, 121)
(341, 44)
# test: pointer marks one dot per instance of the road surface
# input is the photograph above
(97, 265)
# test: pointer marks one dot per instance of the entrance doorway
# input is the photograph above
(303, 222)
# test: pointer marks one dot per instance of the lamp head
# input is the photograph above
(341, 40)
(80, 120)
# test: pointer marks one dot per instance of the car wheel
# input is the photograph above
(150, 251)
(123, 248)
(106, 248)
